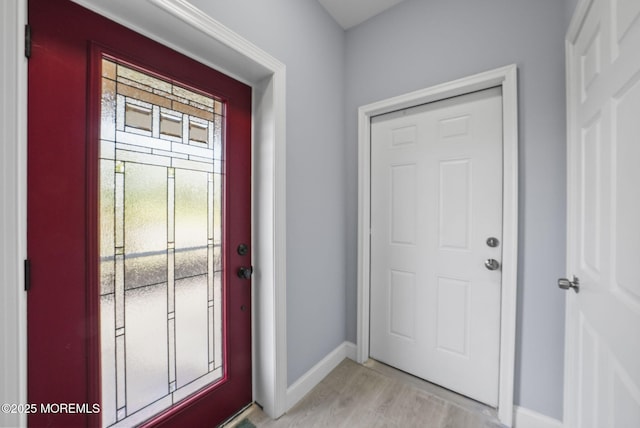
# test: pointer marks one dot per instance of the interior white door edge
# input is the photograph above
(602, 325)
(506, 78)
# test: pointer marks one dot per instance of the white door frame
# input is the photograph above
(182, 27)
(506, 77)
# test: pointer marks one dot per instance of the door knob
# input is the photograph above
(492, 264)
(245, 272)
(573, 283)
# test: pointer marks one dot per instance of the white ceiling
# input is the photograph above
(349, 13)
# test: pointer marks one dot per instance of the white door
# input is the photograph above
(602, 384)
(436, 200)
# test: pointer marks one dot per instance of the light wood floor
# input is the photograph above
(375, 395)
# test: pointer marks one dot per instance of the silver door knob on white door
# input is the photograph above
(566, 283)
(492, 264)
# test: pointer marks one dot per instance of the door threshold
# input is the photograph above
(239, 417)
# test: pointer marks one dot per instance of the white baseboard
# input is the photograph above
(525, 418)
(314, 376)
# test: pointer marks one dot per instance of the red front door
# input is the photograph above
(138, 203)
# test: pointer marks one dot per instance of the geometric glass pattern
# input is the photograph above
(161, 181)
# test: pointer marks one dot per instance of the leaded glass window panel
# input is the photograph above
(160, 243)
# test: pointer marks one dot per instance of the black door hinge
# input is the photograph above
(27, 275)
(27, 41)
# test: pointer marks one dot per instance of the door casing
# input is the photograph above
(506, 77)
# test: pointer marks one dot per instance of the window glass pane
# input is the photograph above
(146, 346)
(107, 238)
(161, 184)
(192, 353)
(191, 222)
(145, 225)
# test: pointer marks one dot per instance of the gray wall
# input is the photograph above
(570, 7)
(420, 43)
(414, 45)
(311, 45)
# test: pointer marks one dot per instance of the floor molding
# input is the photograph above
(525, 418)
(314, 376)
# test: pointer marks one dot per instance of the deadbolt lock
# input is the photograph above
(493, 242)
(243, 249)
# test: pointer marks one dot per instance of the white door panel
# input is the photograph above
(602, 385)
(436, 196)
